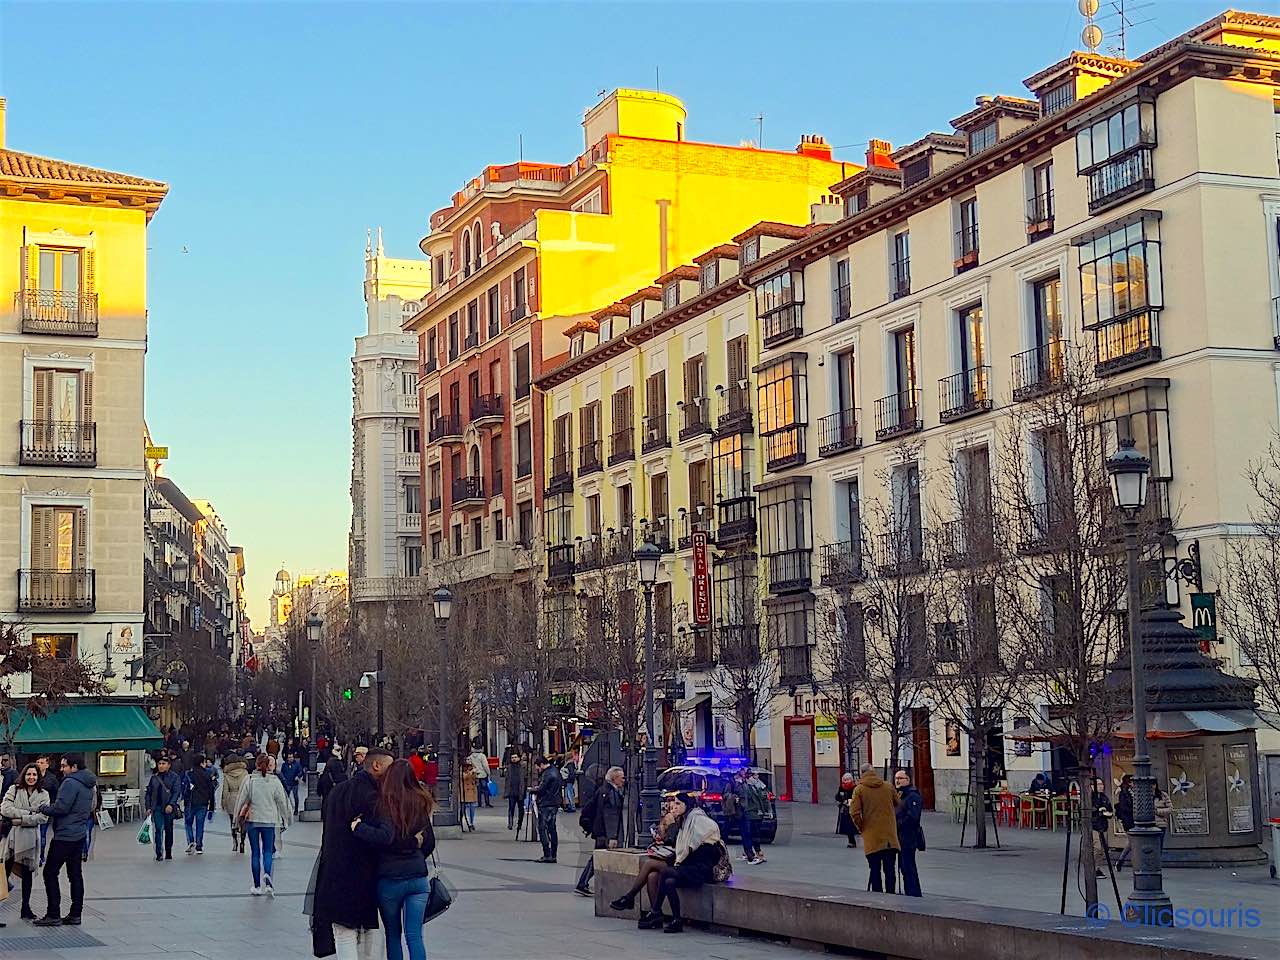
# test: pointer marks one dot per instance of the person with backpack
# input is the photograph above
(602, 820)
(755, 803)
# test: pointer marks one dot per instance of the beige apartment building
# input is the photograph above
(73, 331)
(1127, 212)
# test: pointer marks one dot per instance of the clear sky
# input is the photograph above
(286, 129)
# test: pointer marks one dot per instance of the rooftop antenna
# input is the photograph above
(1091, 35)
(759, 119)
(1121, 11)
(520, 146)
(657, 79)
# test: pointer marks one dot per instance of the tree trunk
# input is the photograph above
(977, 788)
(1088, 864)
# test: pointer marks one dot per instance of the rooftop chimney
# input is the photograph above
(814, 145)
(880, 154)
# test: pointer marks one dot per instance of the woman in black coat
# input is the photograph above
(844, 822)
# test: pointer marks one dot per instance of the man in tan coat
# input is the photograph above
(873, 808)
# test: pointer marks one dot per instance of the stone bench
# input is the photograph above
(906, 928)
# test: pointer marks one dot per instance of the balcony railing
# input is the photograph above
(447, 426)
(968, 541)
(467, 490)
(495, 327)
(560, 479)
(590, 457)
(472, 340)
(656, 436)
(364, 589)
(900, 554)
(964, 394)
(782, 326)
(522, 390)
(430, 366)
(524, 468)
(842, 563)
(1044, 526)
(692, 522)
(435, 504)
(735, 409)
(486, 408)
(898, 414)
(44, 590)
(1127, 343)
(409, 523)
(735, 521)
(409, 402)
(58, 311)
(1120, 178)
(1039, 370)
(789, 571)
(966, 248)
(900, 279)
(839, 432)
(618, 548)
(518, 312)
(561, 561)
(843, 303)
(657, 532)
(408, 461)
(622, 446)
(696, 418)
(62, 442)
(785, 448)
(1040, 215)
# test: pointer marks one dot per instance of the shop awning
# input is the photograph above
(697, 700)
(83, 727)
(1172, 724)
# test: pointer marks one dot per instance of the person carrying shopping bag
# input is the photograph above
(20, 848)
(262, 806)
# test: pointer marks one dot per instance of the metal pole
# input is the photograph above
(311, 805)
(1148, 903)
(381, 713)
(444, 815)
(649, 795)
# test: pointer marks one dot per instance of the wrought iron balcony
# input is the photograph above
(739, 645)
(1128, 343)
(1040, 370)
(696, 417)
(58, 311)
(467, 490)
(61, 442)
(968, 541)
(900, 279)
(486, 409)
(590, 554)
(966, 248)
(472, 340)
(619, 547)
(843, 303)
(898, 414)
(522, 390)
(789, 571)
(735, 409)
(518, 312)
(435, 504)
(560, 479)
(589, 457)
(1044, 526)
(735, 521)
(1040, 215)
(901, 553)
(447, 428)
(560, 562)
(44, 590)
(431, 365)
(1120, 178)
(785, 448)
(964, 394)
(622, 446)
(839, 432)
(842, 563)
(782, 326)
(691, 522)
(524, 468)
(656, 436)
(657, 532)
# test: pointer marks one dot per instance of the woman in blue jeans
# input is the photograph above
(402, 835)
(261, 807)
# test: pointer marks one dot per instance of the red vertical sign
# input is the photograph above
(701, 581)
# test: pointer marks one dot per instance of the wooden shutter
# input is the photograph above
(80, 528)
(42, 526)
(30, 267)
(42, 429)
(86, 397)
(737, 360)
(87, 268)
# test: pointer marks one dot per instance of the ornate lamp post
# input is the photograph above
(446, 815)
(648, 557)
(311, 806)
(1148, 903)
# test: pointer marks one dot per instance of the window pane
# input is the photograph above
(1131, 125)
(1137, 278)
(1155, 291)
(1084, 150)
(1106, 307)
(1120, 281)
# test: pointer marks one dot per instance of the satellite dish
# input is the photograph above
(1091, 35)
(1088, 7)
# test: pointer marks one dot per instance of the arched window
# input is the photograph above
(466, 253)
(475, 243)
(475, 462)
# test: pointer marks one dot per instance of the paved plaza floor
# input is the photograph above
(199, 908)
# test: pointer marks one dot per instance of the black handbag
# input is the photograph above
(439, 896)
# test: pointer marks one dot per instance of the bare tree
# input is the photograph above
(54, 678)
(745, 665)
(1249, 605)
(1062, 607)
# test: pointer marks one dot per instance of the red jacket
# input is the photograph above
(419, 767)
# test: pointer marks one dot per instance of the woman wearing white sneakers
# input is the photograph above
(262, 805)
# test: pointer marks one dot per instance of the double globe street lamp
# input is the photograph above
(648, 557)
(1148, 904)
(311, 806)
(442, 602)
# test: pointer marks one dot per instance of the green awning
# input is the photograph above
(83, 728)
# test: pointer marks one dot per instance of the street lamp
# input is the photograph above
(1148, 903)
(442, 601)
(648, 557)
(311, 806)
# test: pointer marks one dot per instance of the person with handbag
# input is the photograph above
(700, 858)
(478, 760)
(164, 802)
(469, 794)
(400, 831)
(844, 822)
(602, 820)
(515, 791)
(261, 806)
(910, 832)
(20, 846)
(234, 774)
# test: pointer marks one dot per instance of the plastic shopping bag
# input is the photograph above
(144, 834)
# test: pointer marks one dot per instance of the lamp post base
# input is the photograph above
(311, 806)
(650, 796)
(1148, 905)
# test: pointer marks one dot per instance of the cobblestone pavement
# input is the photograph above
(199, 908)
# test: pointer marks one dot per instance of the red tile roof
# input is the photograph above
(27, 166)
(725, 251)
(682, 272)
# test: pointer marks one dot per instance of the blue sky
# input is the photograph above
(286, 129)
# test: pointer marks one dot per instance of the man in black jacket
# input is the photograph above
(49, 783)
(604, 808)
(910, 832)
(335, 772)
(547, 795)
(69, 820)
(203, 786)
(346, 896)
